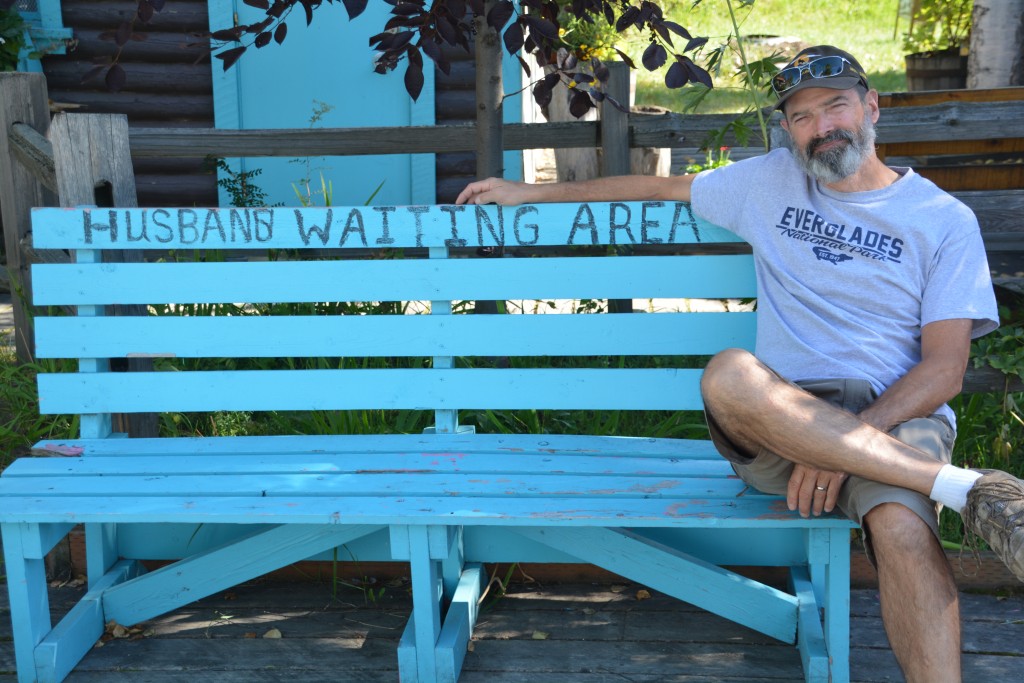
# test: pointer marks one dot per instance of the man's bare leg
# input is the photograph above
(920, 609)
(762, 412)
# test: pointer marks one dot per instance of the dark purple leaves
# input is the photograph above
(615, 103)
(307, 5)
(228, 35)
(123, 34)
(116, 78)
(694, 44)
(416, 30)
(500, 14)
(414, 74)
(93, 73)
(230, 56)
(541, 27)
(627, 19)
(513, 38)
(625, 58)
(580, 103)
(145, 12)
(684, 71)
(407, 9)
(676, 76)
(677, 29)
(354, 7)
(654, 57)
(544, 87)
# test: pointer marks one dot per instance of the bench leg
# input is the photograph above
(837, 605)
(100, 550)
(30, 602)
(433, 645)
(824, 594)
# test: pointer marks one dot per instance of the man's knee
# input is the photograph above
(726, 370)
(897, 532)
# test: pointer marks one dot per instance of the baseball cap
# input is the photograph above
(821, 66)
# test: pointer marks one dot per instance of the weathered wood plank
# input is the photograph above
(23, 99)
(92, 165)
(910, 124)
(35, 152)
(593, 634)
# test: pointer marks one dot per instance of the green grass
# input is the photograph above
(865, 29)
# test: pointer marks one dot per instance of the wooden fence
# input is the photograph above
(87, 159)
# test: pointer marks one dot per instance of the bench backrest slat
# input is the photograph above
(409, 389)
(397, 280)
(376, 336)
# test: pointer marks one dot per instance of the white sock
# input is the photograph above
(951, 486)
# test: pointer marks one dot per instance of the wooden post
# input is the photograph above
(489, 147)
(23, 99)
(615, 148)
(93, 166)
(615, 123)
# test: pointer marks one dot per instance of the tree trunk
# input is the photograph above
(997, 44)
(488, 98)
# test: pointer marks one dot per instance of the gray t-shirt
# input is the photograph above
(846, 281)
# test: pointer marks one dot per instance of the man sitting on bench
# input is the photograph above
(872, 282)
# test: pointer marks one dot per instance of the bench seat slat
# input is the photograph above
(398, 280)
(755, 512)
(374, 484)
(394, 389)
(476, 464)
(367, 444)
(394, 335)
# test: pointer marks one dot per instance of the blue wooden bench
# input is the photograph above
(666, 513)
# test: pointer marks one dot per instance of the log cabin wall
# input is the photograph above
(169, 85)
(454, 103)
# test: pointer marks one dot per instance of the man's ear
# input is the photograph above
(784, 122)
(871, 102)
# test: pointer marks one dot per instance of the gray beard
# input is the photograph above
(840, 162)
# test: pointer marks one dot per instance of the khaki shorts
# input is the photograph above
(770, 473)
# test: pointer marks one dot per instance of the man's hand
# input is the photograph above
(494, 191)
(812, 490)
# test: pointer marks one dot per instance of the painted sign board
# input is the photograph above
(385, 226)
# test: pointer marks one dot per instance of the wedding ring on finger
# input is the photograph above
(821, 488)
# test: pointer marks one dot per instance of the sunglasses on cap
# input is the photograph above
(822, 67)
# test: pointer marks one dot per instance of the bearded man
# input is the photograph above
(872, 282)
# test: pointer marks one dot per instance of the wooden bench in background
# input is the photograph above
(666, 513)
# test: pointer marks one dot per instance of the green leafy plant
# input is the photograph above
(240, 186)
(938, 25)
(753, 76)
(12, 39)
(1002, 350)
(711, 160)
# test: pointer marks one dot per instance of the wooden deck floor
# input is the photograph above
(576, 633)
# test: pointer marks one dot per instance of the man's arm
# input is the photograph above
(945, 349)
(621, 188)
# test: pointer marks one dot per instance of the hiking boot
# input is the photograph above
(995, 513)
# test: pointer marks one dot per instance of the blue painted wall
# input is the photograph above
(330, 62)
